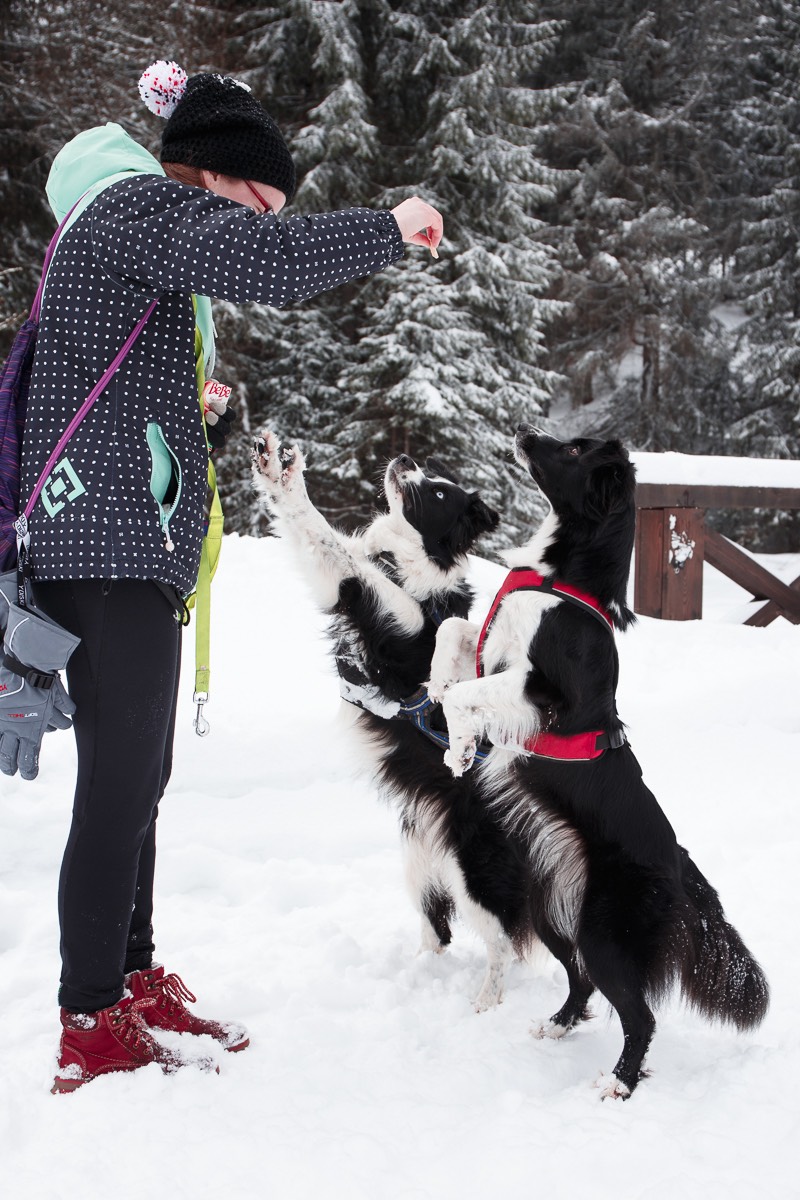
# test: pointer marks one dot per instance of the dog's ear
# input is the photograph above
(483, 518)
(611, 483)
(476, 519)
(435, 466)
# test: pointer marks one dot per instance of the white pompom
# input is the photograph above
(161, 87)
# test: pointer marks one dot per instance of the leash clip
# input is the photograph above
(201, 725)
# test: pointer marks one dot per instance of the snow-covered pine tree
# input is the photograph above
(450, 353)
(766, 268)
(25, 222)
(766, 274)
(640, 336)
(67, 65)
(306, 62)
(382, 100)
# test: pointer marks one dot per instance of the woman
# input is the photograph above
(115, 543)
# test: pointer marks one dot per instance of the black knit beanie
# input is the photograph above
(215, 123)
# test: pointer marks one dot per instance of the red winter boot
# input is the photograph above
(166, 1009)
(113, 1039)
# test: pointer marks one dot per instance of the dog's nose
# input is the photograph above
(523, 427)
(403, 460)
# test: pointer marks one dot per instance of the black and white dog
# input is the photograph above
(388, 589)
(610, 892)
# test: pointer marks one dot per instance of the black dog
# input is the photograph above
(611, 893)
(388, 589)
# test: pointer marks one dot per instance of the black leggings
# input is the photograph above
(124, 680)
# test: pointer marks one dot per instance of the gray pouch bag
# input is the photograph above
(33, 699)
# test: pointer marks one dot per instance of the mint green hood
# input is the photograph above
(91, 162)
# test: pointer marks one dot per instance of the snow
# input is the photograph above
(281, 903)
(681, 547)
(728, 470)
(730, 316)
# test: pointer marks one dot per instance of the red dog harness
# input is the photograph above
(576, 746)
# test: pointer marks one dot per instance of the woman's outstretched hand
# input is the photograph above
(420, 223)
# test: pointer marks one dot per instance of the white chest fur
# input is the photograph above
(513, 629)
(517, 619)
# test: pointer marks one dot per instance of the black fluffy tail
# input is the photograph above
(719, 976)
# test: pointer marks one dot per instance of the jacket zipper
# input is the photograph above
(166, 479)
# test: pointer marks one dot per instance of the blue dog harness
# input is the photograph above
(418, 708)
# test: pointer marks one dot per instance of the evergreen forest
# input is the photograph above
(620, 185)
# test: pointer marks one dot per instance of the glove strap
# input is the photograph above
(37, 679)
(23, 563)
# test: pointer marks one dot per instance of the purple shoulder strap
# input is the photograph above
(37, 300)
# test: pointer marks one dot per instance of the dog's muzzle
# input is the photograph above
(399, 473)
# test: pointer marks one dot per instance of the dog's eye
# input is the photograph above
(573, 450)
(439, 495)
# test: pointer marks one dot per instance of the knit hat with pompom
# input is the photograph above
(214, 123)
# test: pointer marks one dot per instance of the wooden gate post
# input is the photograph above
(668, 580)
(672, 543)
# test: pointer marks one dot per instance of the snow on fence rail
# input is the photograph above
(716, 470)
(673, 493)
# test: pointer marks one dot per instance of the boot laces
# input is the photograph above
(130, 1024)
(173, 992)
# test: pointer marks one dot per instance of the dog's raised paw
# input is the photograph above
(292, 466)
(436, 689)
(451, 761)
(259, 455)
(264, 456)
(461, 755)
(278, 467)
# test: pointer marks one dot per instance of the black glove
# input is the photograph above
(218, 427)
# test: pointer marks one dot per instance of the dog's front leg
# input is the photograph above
(327, 557)
(494, 707)
(278, 472)
(323, 556)
(454, 655)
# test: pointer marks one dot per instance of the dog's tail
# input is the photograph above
(719, 976)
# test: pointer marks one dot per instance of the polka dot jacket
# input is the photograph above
(126, 497)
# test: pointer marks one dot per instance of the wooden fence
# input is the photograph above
(673, 494)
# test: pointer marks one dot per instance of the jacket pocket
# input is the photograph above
(166, 478)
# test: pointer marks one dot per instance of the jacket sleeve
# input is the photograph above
(168, 237)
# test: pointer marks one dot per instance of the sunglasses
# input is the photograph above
(264, 203)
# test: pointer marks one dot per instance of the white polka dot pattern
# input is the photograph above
(143, 237)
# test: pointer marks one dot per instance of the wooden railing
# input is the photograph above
(673, 494)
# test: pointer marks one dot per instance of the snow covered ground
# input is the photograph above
(281, 903)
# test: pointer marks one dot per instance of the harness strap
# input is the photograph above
(419, 710)
(522, 579)
(578, 747)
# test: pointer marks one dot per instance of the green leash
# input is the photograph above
(200, 599)
(202, 642)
